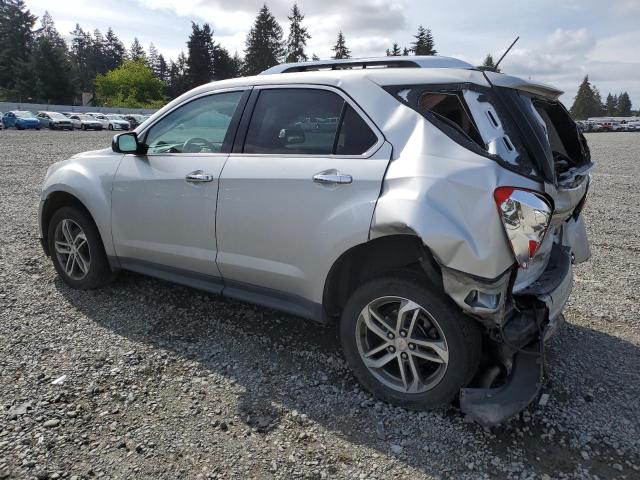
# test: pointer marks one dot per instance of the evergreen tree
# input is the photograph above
(82, 59)
(136, 52)
(16, 23)
(48, 30)
(424, 44)
(394, 51)
(624, 105)
(599, 104)
(100, 58)
(340, 48)
(405, 52)
(223, 65)
(238, 64)
(49, 66)
(162, 69)
(177, 83)
(263, 47)
(611, 105)
(315, 57)
(114, 51)
(298, 37)
(200, 58)
(587, 102)
(489, 63)
(153, 59)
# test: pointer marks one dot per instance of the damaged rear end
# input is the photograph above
(514, 187)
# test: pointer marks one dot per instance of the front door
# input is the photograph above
(164, 202)
(300, 191)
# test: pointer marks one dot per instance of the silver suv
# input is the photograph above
(431, 208)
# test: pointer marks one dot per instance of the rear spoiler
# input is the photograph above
(542, 89)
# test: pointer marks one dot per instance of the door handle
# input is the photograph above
(332, 177)
(199, 177)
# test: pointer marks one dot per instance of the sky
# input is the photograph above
(561, 41)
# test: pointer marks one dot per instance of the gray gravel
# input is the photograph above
(146, 379)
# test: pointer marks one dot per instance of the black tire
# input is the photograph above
(99, 272)
(83, 127)
(110, 127)
(462, 335)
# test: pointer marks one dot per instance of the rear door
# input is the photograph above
(298, 190)
(164, 201)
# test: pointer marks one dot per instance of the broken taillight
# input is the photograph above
(525, 216)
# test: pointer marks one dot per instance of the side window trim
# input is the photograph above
(243, 127)
(233, 125)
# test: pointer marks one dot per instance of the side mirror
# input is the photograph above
(291, 136)
(125, 143)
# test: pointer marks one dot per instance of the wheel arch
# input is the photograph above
(52, 203)
(369, 260)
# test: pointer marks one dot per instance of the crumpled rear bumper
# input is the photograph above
(522, 344)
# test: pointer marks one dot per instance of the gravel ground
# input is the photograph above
(146, 379)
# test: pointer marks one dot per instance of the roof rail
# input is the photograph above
(417, 61)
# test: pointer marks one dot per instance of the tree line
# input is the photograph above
(38, 65)
(588, 103)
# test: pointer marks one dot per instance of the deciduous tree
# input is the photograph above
(132, 85)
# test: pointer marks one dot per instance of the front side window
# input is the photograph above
(200, 126)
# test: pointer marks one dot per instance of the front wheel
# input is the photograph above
(77, 251)
(407, 343)
(110, 127)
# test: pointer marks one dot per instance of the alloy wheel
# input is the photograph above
(401, 344)
(72, 249)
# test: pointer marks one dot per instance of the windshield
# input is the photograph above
(114, 117)
(56, 116)
(25, 115)
(86, 117)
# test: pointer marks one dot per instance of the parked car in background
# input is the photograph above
(111, 123)
(20, 120)
(54, 121)
(100, 118)
(120, 120)
(631, 126)
(85, 122)
(134, 119)
(442, 241)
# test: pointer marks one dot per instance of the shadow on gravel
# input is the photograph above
(287, 364)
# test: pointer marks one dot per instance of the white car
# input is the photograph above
(118, 122)
(111, 123)
(435, 213)
(85, 122)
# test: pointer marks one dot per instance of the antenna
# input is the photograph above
(505, 53)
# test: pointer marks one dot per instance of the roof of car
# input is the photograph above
(417, 61)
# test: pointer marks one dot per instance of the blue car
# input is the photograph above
(20, 120)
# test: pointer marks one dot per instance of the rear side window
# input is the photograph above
(475, 118)
(451, 108)
(300, 121)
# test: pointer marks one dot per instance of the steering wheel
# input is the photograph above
(196, 145)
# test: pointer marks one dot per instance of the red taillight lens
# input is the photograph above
(525, 216)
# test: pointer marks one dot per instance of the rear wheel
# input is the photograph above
(110, 127)
(77, 251)
(407, 343)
